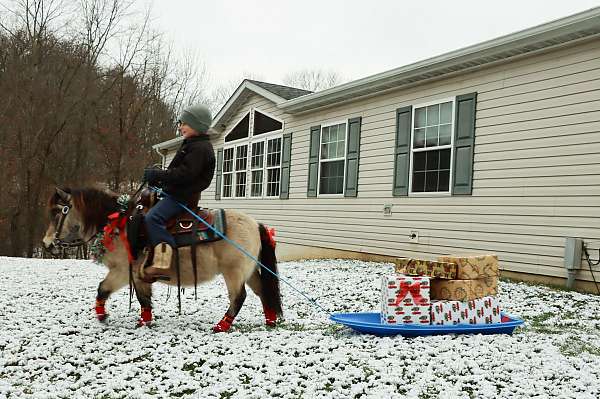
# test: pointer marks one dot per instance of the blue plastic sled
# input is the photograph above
(370, 323)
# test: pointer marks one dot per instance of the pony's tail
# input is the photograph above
(270, 283)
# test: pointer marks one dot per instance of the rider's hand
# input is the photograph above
(152, 175)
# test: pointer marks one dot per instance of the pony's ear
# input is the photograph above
(63, 195)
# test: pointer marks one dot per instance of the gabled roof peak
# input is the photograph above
(274, 92)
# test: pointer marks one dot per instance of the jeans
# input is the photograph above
(157, 218)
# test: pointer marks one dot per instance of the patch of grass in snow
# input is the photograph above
(226, 394)
(182, 393)
(575, 346)
(430, 393)
(141, 358)
(245, 379)
(555, 287)
(191, 367)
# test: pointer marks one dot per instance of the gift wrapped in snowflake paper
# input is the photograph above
(430, 268)
(405, 300)
(473, 267)
(464, 290)
(484, 310)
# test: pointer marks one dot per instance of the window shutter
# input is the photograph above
(402, 151)
(313, 161)
(286, 158)
(464, 141)
(352, 157)
(219, 174)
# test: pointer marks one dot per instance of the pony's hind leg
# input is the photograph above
(143, 292)
(237, 296)
(115, 279)
(255, 284)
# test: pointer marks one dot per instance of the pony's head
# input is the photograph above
(76, 216)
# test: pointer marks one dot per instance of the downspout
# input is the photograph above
(572, 259)
(162, 157)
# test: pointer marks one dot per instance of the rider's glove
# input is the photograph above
(152, 175)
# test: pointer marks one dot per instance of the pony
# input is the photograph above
(78, 215)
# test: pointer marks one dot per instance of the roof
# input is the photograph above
(553, 34)
(276, 93)
(285, 92)
(572, 29)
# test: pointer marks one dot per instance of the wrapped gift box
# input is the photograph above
(446, 312)
(405, 300)
(473, 267)
(430, 268)
(484, 310)
(464, 290)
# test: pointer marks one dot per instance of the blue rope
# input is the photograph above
(236, 245)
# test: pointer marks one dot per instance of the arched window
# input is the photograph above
(252, 157)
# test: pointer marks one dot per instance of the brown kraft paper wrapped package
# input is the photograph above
(421, 267)
(464, 290)
(473, 267)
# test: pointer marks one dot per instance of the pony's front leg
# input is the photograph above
(116, 279)
(143, 292)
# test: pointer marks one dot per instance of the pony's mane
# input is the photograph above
(93, 204)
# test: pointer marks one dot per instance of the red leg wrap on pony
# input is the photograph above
(100, 309)
(146, 317)
(224, 325)
(270, 316)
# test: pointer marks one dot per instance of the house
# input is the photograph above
(493, 148)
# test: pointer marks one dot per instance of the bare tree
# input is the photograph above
(313, 79)
(220, 94)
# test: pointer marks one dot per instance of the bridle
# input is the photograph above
(60, 243)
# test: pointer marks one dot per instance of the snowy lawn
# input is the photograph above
(52, 346)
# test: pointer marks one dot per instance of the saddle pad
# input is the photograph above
(202, 234)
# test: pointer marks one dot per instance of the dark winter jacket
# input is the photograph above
(191, 170)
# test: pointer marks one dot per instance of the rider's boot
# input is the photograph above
(161, 265)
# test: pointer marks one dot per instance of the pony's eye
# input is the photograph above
(65, 209)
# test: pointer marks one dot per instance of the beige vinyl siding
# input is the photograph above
(536, 173)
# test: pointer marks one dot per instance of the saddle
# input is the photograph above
(185, 228)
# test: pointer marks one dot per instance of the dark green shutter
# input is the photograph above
(464, 141)
(313, 161)
(402, 151)
(286, 158)
(219, 174)
(352, 157)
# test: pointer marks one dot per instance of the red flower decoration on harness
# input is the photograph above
(116, 226)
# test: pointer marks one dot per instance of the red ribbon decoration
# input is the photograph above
(224, 325)
(116, 221)
(100, 309)
(271, 236)
(415, 291)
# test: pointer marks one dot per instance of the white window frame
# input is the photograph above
(413, 150)
(319, 195)
(235, 170)
(264, 137)
(229, 143)
(232, 173)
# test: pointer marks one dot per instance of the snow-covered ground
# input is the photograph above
(52, 346)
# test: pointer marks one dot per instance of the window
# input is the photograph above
(252, 157)
(227, 172)
(332, 159)
(431, 148)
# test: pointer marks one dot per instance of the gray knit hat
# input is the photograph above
(198, 117)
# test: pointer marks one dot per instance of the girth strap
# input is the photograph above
(194, 268)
